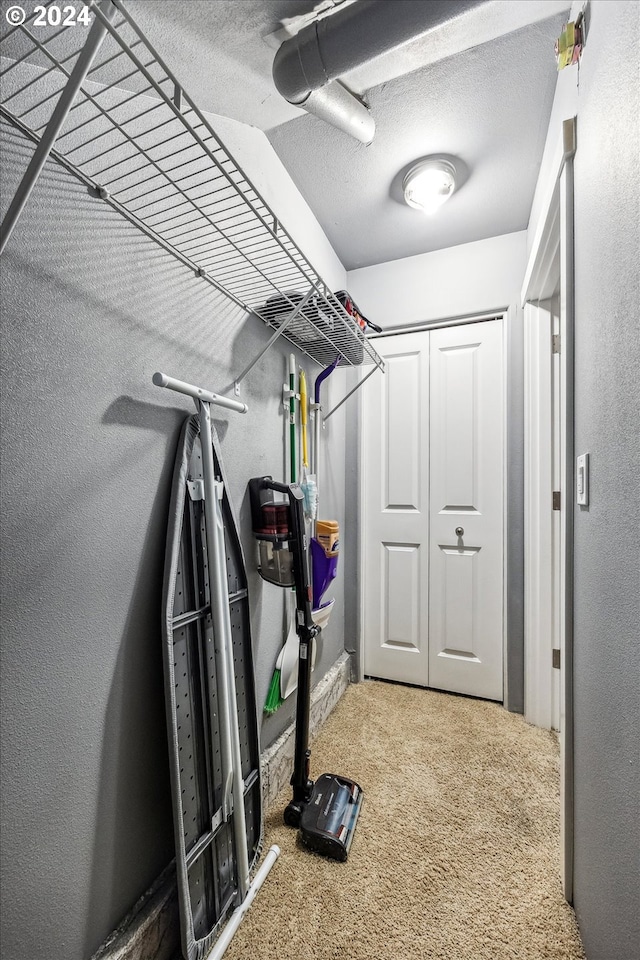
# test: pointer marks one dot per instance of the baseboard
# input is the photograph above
(151, 931)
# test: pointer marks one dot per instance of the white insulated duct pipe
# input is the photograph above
(305, 65)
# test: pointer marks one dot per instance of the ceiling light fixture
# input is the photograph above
(428, 184)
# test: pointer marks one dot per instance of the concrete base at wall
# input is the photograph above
(151, 931)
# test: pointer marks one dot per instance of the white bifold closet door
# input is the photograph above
(433, 510)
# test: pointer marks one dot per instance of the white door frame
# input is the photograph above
(541, 425)
(558, 210)
(507, 316)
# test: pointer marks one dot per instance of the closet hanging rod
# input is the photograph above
(162, 380)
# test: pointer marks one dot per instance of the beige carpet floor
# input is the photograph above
(456, 852)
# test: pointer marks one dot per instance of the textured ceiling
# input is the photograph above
(222, 50)
(478, 90)
(487, 109)
(216, 48)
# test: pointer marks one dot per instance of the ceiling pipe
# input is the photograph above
(305, 65)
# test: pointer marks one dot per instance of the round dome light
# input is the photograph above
(428, 184)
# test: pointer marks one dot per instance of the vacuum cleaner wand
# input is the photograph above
(305, 627)
(325, 811)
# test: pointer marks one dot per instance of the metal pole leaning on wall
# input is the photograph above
(223, 648)
(213, 491)
(76, 79)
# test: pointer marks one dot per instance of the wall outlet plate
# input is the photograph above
(582, 480)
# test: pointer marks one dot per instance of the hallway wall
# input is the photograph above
(605, 97)
(90, 309)
(472, 278)
(607, 558)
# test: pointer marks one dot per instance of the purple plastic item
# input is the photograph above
(324, 571)
(324, 568)
(323, 376)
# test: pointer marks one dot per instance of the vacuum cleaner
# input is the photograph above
(325, 811)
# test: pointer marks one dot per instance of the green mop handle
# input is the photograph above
(292, 416)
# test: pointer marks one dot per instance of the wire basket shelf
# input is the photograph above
(135, 136)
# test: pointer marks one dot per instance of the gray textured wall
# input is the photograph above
(90, 308)
(607, 414)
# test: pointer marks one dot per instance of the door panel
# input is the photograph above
(401, 576)
(396, 492)
(458, 583)
(457, 383)
(403, 415)
(466, 510)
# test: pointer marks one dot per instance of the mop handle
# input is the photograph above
(317, 422)
(162, 380)
(292, 417)
(303, 418)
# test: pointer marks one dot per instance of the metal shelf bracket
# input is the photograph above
(281, 329)
(350, 394)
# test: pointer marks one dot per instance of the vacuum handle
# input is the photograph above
(298, 544)
(286, 488)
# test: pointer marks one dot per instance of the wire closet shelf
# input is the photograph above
(130, 132)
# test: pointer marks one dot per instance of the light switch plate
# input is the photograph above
(582, 480)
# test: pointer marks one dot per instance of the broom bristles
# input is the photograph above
(274, 699)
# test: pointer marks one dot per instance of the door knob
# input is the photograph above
(459, 531)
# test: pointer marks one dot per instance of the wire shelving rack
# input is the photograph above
(104, 104)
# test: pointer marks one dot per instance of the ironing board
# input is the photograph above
(206, 865)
